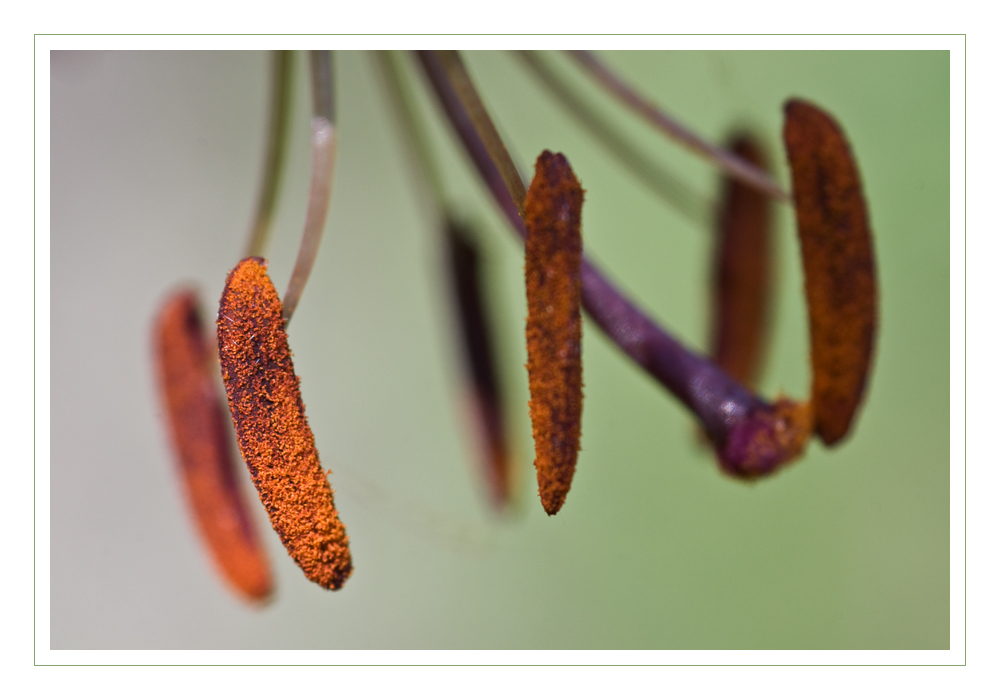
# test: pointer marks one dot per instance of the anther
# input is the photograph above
(197, 421)
(553, 253)
(274, 435)
(839, 265)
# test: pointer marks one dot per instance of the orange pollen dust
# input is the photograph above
(553, 253)
(838, 258)
(272, 429)
(202, 443)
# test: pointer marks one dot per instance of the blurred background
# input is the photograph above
(155, 162)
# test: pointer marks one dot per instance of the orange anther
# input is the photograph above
(553, 252)
(271, 425)
(202, 442)
(839, 264)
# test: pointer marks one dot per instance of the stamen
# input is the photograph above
(716, 398)
(751, 436)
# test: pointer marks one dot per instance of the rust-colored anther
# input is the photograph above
(742, 275)
(839, 264)
(553, 252)
(486, 402)
(202, 443)
(271, 426)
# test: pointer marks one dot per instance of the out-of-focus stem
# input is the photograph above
(736, 167)
(651, 174)
(324, 152)
(277, 141)
(414, 129)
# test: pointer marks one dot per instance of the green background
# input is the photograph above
(155, 161)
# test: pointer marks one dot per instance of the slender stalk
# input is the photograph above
(282, 64)
(324, 153)
(409, 121)
(731, 164)
(661, 182)
(719, 401)
(506, 198)
(466, 94)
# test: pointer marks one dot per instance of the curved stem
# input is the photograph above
(506, 198)
(277, 147)
(450, 65)
(731, 164)
(324, 152)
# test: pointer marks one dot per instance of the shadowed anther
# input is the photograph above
(482, 380)
(741, 278)
(196, 416)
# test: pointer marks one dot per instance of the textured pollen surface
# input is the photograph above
(198, 430)
(839, 265)
(553, 252)
(741, 282)
(271, 426)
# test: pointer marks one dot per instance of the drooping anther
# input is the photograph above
(553, 253)
(274, 435)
